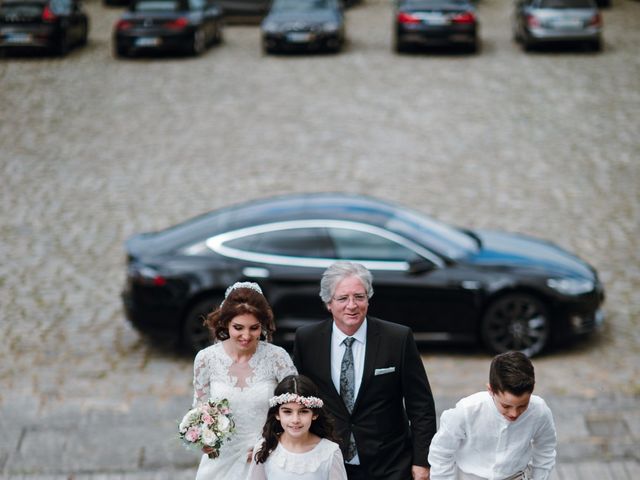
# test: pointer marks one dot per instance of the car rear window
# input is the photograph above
(566, 4)
(157, 6)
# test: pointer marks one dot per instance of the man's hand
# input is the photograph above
(419, 473)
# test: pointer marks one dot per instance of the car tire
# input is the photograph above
(195, 335)
(62, 48)
(217, 39)
(199, 42)
(120, 52)
(398, 45)
(516, 321)
(595, 46)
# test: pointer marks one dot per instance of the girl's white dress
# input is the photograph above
(324, 462)
(248, 388)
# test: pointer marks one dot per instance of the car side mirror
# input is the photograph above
(420, 265)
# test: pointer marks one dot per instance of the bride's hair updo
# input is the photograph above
(241, 301)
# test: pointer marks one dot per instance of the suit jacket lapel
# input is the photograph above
(370, 354)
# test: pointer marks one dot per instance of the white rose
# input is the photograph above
(224, 424)
(189, 419)
(209, 437)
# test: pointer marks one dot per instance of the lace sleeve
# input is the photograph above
(337, 470)
(201, 388)
(282, 363)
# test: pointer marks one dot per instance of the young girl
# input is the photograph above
(297, 437)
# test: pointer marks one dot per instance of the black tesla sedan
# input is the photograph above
(436, 23)
(512, 292)
(52, 25)
(304, 24)
(168, 25)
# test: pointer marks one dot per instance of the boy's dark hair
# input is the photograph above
(322, 426)
(512, 372)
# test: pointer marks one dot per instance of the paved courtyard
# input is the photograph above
(93, 149)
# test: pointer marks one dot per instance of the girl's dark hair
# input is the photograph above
(512, 372)
(321, 426)
(241, 301)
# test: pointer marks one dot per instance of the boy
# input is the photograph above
(503, 433)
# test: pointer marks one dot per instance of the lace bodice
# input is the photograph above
(248, 390)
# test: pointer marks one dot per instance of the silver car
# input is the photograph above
(537, 22)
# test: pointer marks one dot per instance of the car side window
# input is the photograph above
(296, 242)
(356, 245)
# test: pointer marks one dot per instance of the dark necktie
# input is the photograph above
(348, 388)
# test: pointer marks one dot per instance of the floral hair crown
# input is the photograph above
(250, 285)
(309, 402)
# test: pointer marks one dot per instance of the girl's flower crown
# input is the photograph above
(309, 402)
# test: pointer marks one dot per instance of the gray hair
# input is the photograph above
(337, 272)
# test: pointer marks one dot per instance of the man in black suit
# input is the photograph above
(372, 380)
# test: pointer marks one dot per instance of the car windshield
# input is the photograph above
(566, 4)
(157, 6)
(439, 237)
(300, 5)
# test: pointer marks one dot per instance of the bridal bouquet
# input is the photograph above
(208, 425)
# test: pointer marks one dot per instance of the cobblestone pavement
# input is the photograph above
(94, 149)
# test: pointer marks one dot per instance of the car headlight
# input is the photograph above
(270, 27)
(571, 286)
(330, 27)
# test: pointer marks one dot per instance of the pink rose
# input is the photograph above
(192, 435)
(207, 419)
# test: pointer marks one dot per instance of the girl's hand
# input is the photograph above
(207, 450)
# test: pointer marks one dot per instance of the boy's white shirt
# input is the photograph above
(476, 438)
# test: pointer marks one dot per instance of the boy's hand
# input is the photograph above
(419, 473)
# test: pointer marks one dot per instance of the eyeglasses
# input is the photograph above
(357, 298)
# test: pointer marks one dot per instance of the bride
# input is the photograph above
(243, 369)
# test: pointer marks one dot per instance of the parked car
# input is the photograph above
(52, 25)
(446, 283)
(168, 25)
(436, 22)
(537, 22)
(304, 24)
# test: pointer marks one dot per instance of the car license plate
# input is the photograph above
(18, 38)
(434, 19)
(147, 42)
(568, 23)
(299, 37)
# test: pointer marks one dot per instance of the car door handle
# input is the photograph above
(255, 272)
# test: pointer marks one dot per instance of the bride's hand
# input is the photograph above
(249, 455)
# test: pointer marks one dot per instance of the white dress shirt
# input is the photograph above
(477, 439)
(337, 352)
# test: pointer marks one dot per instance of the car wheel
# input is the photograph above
(516, 321)
(217, 39)
(595, 46)
(62, 47)
(199, 42)
(195, 335)
(398, 45)
(120, 52)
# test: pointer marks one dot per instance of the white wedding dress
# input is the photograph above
(248, 388)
